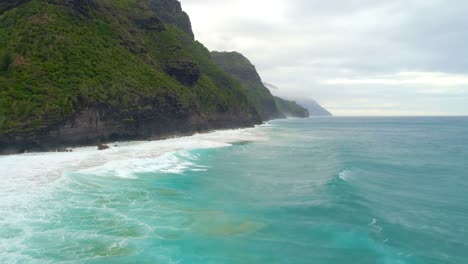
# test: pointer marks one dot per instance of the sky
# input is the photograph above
(355, 57)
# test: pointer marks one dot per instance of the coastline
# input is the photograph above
(138, 154)
(73, 134)
(36, 185)
(152, 139)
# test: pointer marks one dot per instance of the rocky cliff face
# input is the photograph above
(82, 72)
(6, 5)
(239, 66)
(291, 108)
(100, 123)
(170, 11)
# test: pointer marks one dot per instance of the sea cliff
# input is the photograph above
(84, 72)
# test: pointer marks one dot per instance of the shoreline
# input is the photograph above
(153, 139)
(64, 136)
(140, 155)
(66, 148)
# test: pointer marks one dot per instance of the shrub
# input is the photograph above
(5, 61)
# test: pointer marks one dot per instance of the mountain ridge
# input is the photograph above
(240, 67)
(76, 73)
(291, 108)
(83, 72)
(315, 109)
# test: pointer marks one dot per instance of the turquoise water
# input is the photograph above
(323, 190)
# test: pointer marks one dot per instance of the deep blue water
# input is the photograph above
(321, 190)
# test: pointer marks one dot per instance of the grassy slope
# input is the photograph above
(56, 59)
(239, 66)
(291, 108)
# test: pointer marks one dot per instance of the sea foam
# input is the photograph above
(27, 180)
(345, 175)
(24, 177)
(28, 170)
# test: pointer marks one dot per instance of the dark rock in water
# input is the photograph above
(62, 150)
(102, 147)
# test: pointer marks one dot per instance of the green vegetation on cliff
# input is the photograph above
(240, 67)
(58, 57)
(291, 108)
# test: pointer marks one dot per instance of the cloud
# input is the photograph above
(407, 78)
(340, 51)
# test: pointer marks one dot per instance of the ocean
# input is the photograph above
(322, 190)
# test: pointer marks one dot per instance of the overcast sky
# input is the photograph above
(355, 57)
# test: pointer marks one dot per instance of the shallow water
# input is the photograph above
(323, 190)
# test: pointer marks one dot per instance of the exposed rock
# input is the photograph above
(133, 46)
(80, 6)
(184, 70)
(20, 60)
(171, 12)
(102, 147)
(236, 64)
(6, 5)
(40, 20)
(160, 119)
(109, 76)
(61, 150)
(150, 23)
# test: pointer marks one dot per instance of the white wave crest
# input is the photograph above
(345, 175)
(28, 179)
(20, 175)
(129, 168)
